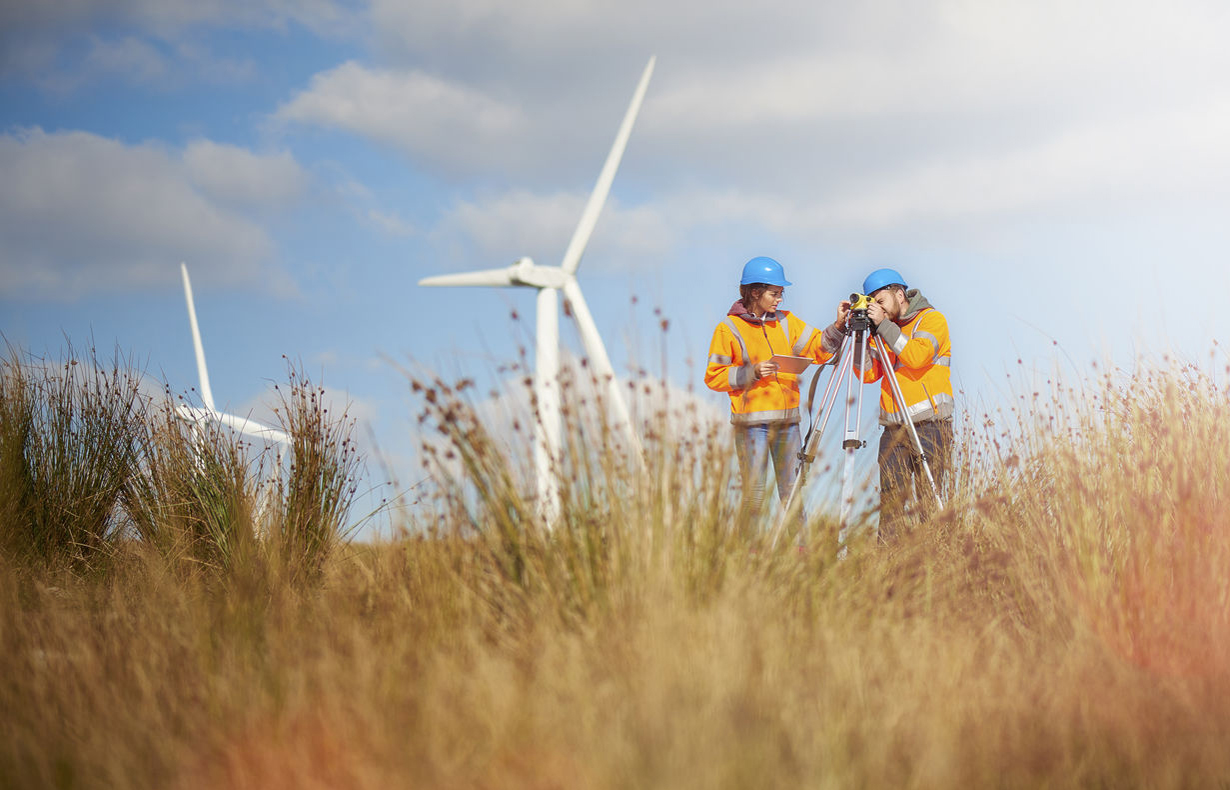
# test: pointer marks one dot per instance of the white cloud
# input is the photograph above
(1103, 167)
(392, 224)
(165, 17)
(534, 33)
(418, 113)
(341, 406)
(231, 174)
(147, 62)
(195, 61)
(57, 44)
(497, 229)
(338, 405)
(341, 403)
(80, 212)
(802, 97)
(136, 59)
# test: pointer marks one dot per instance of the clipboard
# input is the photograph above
(789, 364)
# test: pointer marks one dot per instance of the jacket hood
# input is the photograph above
(915, 304)
(739, 311)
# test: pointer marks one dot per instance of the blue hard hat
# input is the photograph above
(764, 270)
(881, 278)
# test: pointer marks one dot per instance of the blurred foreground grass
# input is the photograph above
(1064, 623)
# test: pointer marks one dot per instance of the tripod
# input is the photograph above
(856, 344)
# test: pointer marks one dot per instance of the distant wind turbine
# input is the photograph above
(550, 280)
(243, 425)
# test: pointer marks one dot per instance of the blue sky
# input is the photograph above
(1046, 172)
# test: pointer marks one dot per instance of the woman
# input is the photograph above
(764, 401)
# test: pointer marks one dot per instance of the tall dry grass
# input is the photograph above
(194, 496)
(91, 459)
(67, 448)
(1063, 623)
(315, 494)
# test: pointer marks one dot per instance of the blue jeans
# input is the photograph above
(756, 445)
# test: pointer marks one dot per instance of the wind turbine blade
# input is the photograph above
(250, 427)
(589, 217)
(598, 359)
(202, 373)
(491, 277)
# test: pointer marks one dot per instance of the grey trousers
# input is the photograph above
(901, 472)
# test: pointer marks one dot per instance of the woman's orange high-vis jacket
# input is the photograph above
(920, 353)
(742, 340)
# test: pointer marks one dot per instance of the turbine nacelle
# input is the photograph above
(526, 272)
(192, 413)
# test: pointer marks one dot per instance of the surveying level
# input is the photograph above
(859, 302)
(860, 337)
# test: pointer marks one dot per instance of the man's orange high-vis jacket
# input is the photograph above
(741, 341)
(920, 353)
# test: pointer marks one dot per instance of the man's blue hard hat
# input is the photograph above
(764, 270)
(881, 278)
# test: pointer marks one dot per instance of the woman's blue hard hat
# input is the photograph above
(764, 270)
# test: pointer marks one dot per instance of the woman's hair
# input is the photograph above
(750, 293)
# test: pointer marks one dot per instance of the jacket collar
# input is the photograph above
(739, 311)
(915, 304)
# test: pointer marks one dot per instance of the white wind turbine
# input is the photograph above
(550, 280)
(243, 425)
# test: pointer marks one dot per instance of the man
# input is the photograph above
(764, 401)
(915, 335)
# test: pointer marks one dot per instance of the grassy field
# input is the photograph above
(1064, 623)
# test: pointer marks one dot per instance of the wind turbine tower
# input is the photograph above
(550, 281)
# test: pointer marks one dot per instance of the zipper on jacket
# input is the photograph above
(765, 330)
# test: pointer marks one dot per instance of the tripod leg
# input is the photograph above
(853, 441)
(794, 502)
(847, 500)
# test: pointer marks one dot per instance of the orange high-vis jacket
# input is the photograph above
(741, 341)
(920, 353)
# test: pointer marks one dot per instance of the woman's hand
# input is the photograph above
(762, 369)
(843, 314)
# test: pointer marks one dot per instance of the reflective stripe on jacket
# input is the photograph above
(741, 341)
(921, 355)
